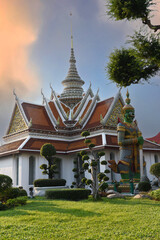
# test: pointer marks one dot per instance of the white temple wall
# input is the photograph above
(66, 168)
(6, 166)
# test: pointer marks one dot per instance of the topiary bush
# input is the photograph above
(68, 194)
(144, 186)
(16, 202)
(155, 170)
(155, 194)
(49, 182)
(5, 182)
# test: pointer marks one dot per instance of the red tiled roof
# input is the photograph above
(36, 144)
(112, 140)
(76, 107)
(39, 116)
(56, 114)
(86, 109)
(10, 147)
(100, 109)
(155, 139)
(66, 109)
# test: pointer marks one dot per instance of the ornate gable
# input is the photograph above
(17, 122)
(116, 113)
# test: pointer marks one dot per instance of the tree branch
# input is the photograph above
(146, 21)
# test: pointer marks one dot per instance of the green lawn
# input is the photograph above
(107, 219)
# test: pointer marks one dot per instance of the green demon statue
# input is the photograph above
(130, 141)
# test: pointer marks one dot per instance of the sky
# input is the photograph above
(35, 50)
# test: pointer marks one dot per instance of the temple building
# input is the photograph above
(59, 121)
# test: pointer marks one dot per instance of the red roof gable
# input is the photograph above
(9, 147)
(56, 114)
(39, 116)
(100, 109)
(155, 139)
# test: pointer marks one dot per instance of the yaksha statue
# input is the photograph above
(130, 141)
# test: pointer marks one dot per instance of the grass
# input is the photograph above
(108, 219)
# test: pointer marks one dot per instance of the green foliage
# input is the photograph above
(16, 202)
(101, 176)
(100, 154)
(105, 178)
(47, 151)
(83, 152)
(142, 60)
(15, 192)
(106, 171)
(85, 157)
(91, 145)
(124, 68)
(5, 182)
(155, 170)
(84, 180)
(103, 187)
(73, 183)
(76, 175)
(2, 206)
(89, 182)
(68, 194)
(93, 163)
(144, 186)
(85, 165)
(74, 170)
(122, 9)
(87, 141)
(49, 182)
(104, 162)
(155, 194)
(85, 134)
(43, 166)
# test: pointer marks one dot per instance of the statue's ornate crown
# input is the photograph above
(127, 105)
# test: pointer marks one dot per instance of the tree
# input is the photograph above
(155, 170)
(78, 172)
(142, 60)
(48, 151)
(91, 159)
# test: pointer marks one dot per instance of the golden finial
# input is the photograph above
(71, 32)
(127, 99)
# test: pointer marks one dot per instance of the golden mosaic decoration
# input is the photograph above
(18, 124)
(116, 113)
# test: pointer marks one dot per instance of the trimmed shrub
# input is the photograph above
(68, 194)
(155, 194)
(2, 206)
(5, 182)
(22, 193)
(144, 186)
(16, 202)
(155, 170)
(49, 182)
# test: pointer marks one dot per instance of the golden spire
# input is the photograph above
(71, 32)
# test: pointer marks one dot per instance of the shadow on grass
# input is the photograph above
(34, 207)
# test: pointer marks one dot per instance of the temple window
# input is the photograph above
(17, 170)
(58, 170)
(155, 158)
(31, 169)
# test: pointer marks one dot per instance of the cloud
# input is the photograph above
(19, 31)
